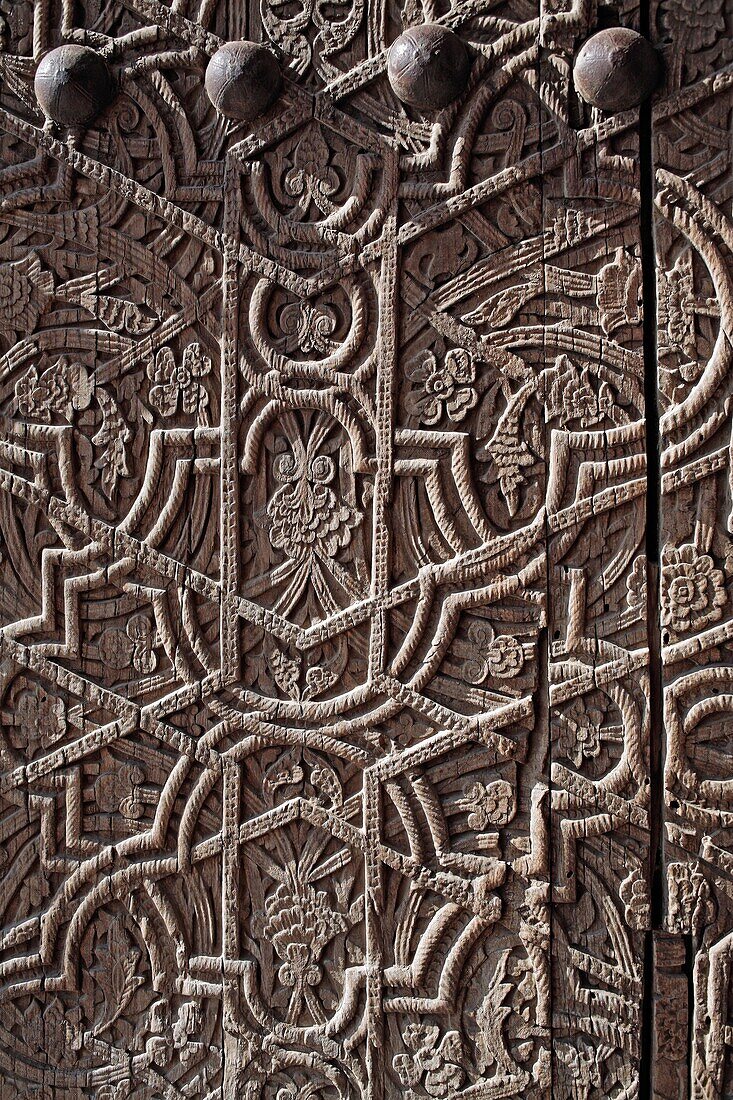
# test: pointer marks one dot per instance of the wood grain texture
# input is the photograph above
(365, 564)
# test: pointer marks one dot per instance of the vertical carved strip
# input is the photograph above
(229, 475)
(693, 236)
(374, 921)
(232, 887)
(671, 1018)
(597, 612)
(384, 440)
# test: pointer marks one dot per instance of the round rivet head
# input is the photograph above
(616, 69)
(73, 85)
(242, 80)
(428, 66)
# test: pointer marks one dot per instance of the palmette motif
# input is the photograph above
(331, 756)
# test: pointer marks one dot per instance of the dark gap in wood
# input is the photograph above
(690, 975)
(646, 1069)
(652, 547)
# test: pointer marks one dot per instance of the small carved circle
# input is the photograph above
(73, 84)
(616, 69)
(243, 79)
(428, 66)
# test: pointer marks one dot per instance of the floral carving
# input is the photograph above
(636, 586)
(311, 325)
(300, 772)
(582, 1069)
(187, 1024)
(25, 291)
(566, 393)
(134, 646)
(504, 1017)
(306, 515)
(122, 791)
(39, 720)
(489, 804)
(569, 395)
(334, 29)
(113, 437)
(286, 672)
(61, 389)
(311, 179)
(691, 907)
(634, 893)
(300, 923)
(177, 382)
(173, 1039)
(580, 732)
(683, 319)
(116, 973)
(618, 292)
(66, 388)
(119, 1090)
(670, 1020)
(678, 305)
(499, 657)
(696, 22)
(53, 1028)
(442, 388)
(437, 1066)
(692, 589)
(307, 535)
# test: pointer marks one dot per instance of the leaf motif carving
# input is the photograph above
(116, 973)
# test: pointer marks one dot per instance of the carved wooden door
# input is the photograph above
(366, 593)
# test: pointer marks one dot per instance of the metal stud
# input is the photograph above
(616, 69)
(73, 85)
(242, 80)
(428, 66)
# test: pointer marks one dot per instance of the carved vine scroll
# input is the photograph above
(366, 670)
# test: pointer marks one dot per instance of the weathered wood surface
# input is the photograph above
(366, 685)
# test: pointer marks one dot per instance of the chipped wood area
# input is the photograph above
(366, 584)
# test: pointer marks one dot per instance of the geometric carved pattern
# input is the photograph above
(359, 738)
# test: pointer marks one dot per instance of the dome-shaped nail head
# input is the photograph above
(73, 84)
(616, 69)
(242, 80)
(428, 66)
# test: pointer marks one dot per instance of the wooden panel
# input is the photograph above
(332, 760)
(599, 715)
(693, 232)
